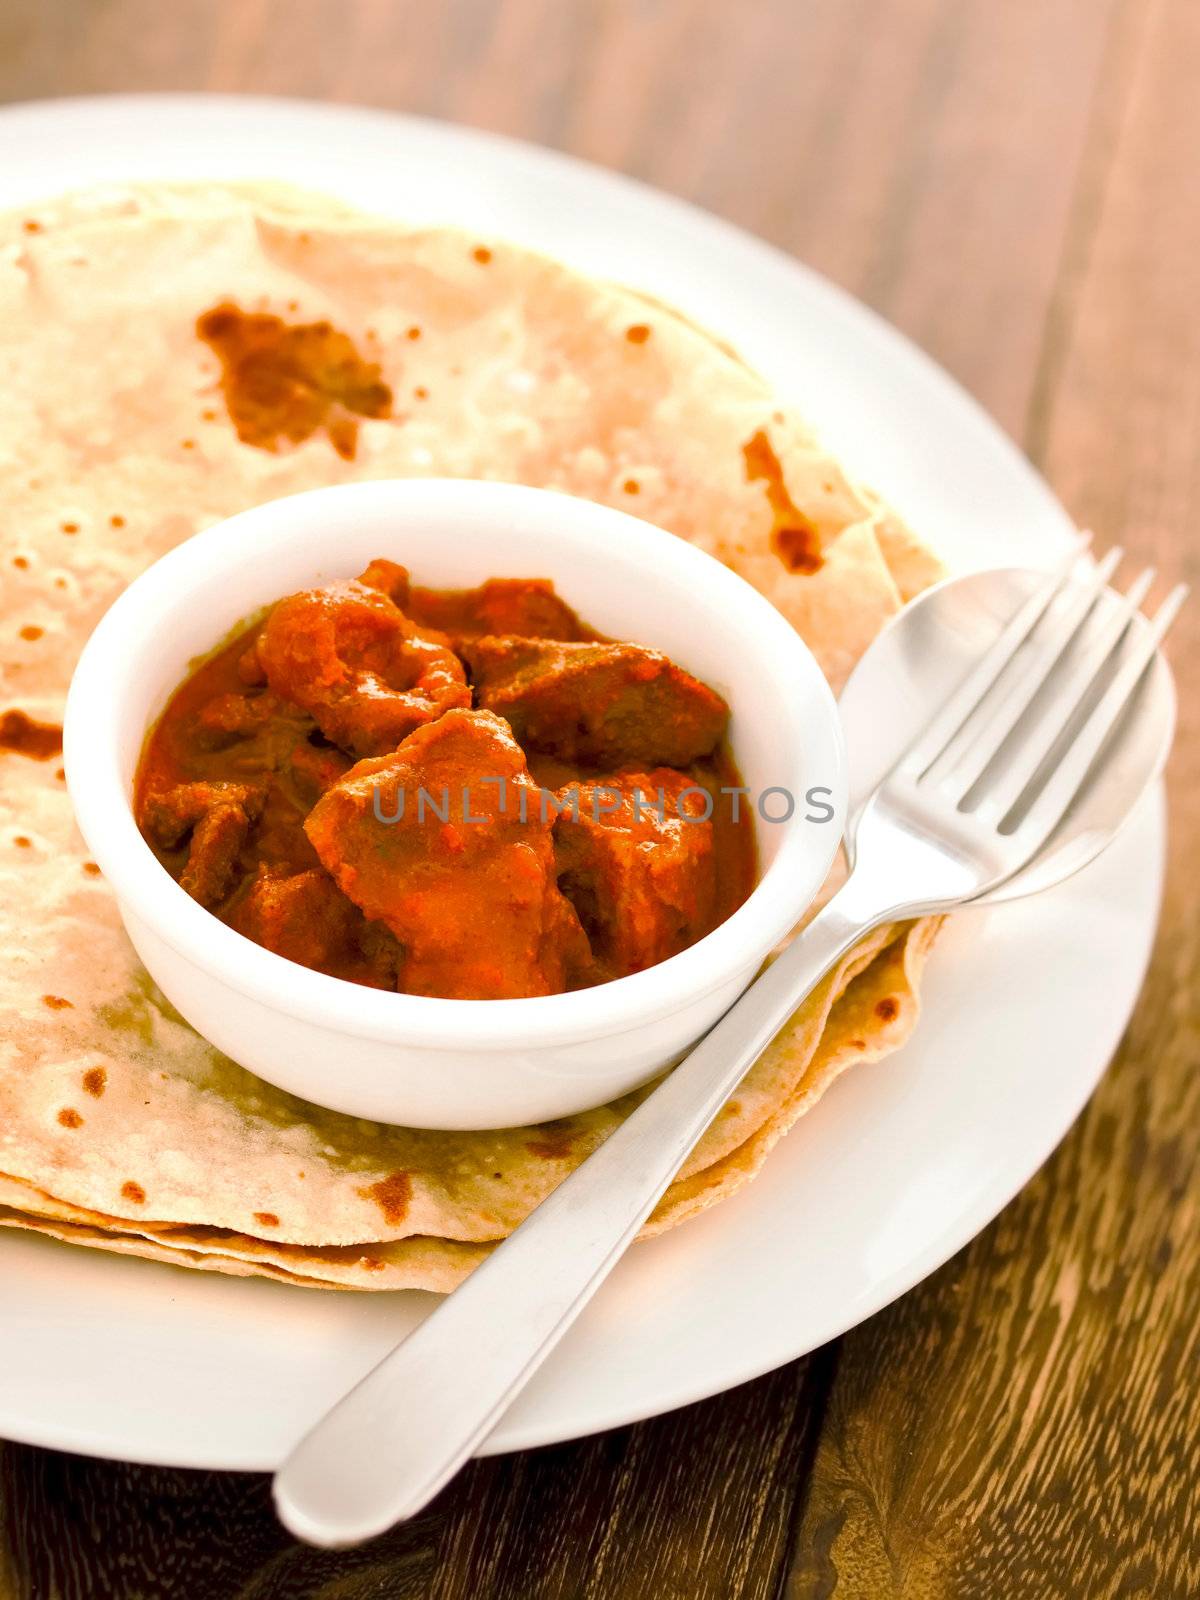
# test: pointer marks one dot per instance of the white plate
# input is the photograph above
(902, 1162)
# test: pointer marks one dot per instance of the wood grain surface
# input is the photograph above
(1017, 186)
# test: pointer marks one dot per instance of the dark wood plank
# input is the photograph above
(1028, 1421)
(695, 1504)
(77, 1529)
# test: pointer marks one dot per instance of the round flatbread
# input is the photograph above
(123, 431)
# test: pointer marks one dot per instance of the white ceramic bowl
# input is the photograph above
(406, 1058)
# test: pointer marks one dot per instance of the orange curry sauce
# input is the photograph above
(572, 830)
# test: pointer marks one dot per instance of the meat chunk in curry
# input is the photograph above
(218, 817)
(330, 785)
(635, 855)
(464, 873)
(305, 917)
(528, 607)
(348, 655)
(609, 705)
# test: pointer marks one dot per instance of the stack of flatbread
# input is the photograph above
(120, 1127)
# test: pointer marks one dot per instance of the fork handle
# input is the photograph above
(388, 1446)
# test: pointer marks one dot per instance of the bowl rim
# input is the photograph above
(104, 813)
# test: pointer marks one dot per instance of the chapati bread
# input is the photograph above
(119, 1127)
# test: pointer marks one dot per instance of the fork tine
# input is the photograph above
(1070, 688)
(1048, 808)
(971, 750)
(926, 748)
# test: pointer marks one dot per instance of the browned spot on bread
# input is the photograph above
(858, 1044)
(27, 737)
(117, 520)
(392, 1195)
(70, 1118)
(343, 436)
(94, 1081)
(56, 1002)
(22, 841)
(32, 631)
(283, 382)
(21, 561)
(631, 486)
(133, 1192)
(794, 538)
(371, 1263)
(61, 775)
(887, 1009)
(638, 333)
(70, 527)
(92, 870)
(554, 1141)
(482, 254)
(414, 333)
(32, 225)
(187, 444)
(266, 1219)
(421, 392)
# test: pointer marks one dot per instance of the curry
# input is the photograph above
(468, 794)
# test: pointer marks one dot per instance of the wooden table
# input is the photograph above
(1016, 184)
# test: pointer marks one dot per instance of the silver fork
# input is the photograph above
(976, 795)
(970, 803)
